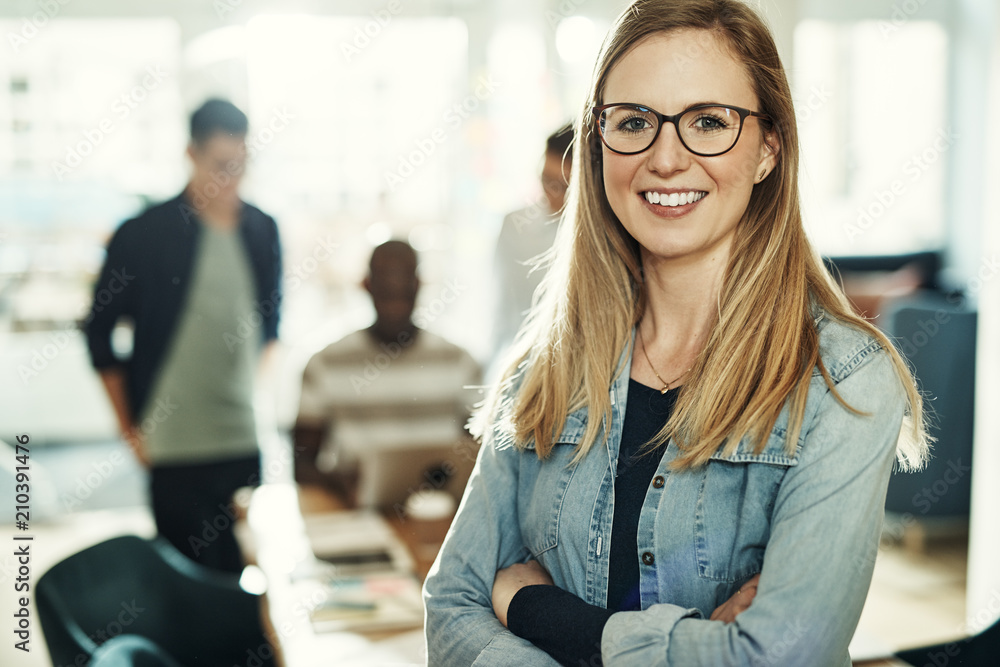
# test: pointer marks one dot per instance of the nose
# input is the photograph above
(667, 154)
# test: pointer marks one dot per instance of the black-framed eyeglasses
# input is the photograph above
(704, 129)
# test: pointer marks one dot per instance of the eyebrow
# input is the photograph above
(693, 104)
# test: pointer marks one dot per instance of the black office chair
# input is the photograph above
(131, 586)
(938, 337)
(976, 651)
(131, 651)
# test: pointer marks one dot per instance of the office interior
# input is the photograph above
(426, 120)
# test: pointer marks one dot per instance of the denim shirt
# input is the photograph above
(809, 523)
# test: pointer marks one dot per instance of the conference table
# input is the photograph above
(274, 538)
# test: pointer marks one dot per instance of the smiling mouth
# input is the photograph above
(674, 198)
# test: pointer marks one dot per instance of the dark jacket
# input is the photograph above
(146, 275)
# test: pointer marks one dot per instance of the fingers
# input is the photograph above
(737, 603)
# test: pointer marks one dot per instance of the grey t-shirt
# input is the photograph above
(201, 405)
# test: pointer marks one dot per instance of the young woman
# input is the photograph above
(687, 460)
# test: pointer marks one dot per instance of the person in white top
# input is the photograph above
(524, 236)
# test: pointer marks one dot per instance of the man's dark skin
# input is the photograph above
(392, 283)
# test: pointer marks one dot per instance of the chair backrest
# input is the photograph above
(938, 338)
(128, 585)
(132, 651)
(97, 594)
(975, 651)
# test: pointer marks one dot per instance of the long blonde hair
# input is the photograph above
(567, 354)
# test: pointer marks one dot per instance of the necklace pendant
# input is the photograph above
(665, 389)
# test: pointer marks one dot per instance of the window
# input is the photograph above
(871, 104)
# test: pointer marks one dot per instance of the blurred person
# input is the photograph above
(685, 461)
(392, 387)
(524, 236)
(199, 277)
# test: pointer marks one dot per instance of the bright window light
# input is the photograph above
(577, 39)
(874, 134)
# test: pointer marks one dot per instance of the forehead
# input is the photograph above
(670, 71)
(220, 144)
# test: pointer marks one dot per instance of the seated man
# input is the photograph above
(382, 411)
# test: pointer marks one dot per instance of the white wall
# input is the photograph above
(983, 601)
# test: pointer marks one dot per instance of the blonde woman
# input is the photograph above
(687, 459)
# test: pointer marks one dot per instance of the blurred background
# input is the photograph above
(426, 120)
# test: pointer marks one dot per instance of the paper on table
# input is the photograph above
(378, 601)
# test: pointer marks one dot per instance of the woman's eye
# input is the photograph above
(709, 123)
(634, 124)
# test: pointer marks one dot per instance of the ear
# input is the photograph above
(770, 147)
(366, 284)
(191, 151)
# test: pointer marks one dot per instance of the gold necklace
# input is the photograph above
(666, 385)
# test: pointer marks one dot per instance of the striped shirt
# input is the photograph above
(381, 397)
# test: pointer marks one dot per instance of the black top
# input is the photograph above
(146, 275)
(562, 624)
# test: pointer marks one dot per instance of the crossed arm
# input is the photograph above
(820, 556)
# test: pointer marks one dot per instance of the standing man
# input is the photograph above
(191, 274)
(524, 235)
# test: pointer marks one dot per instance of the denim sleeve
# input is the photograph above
(818, 564)
(460, 626)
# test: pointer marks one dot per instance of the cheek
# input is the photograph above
(735, 175)
(618, 175)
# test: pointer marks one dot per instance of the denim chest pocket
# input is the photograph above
(733, 512)
(542, 493)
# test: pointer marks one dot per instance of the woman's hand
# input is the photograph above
(739, 602)
(512, 579)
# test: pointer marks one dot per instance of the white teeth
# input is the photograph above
(674, 198)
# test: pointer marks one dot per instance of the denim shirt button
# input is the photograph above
(658, 482)
(647, 558)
